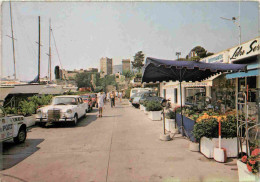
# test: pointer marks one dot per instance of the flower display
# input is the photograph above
(252, 162)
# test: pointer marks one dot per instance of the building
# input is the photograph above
(126, 65)
(223, 88)
(117, 69)
(192, 54)
(92, 70)
(106, 66)
(71, 74)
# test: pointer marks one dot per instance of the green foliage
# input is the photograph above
(98, 89)
(138, 60)
(127, 93)
(153, 106)
(209, 128)
(11, 110)
(128, 74)
(83, 80)
(170, 115)
(27, 108)
(138, 75)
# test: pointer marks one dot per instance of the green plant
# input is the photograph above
(11, 110)
(27, 108)
(127, 93)
(209, 128)
(153, 106)
(170, 115)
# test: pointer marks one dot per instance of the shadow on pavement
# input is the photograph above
(82, 122)
(12, 154)
(104, 116)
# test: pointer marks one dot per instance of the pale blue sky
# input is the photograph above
(87, 31)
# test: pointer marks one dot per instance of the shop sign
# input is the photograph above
(216, 58)
(198, 84)
(247, 49)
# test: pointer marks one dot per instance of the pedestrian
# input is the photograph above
(112, 99)
(108, 95)
(100, 100)
(116, 95)
(120, 95)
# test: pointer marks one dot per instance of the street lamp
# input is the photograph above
(178, 54)
(237, 23)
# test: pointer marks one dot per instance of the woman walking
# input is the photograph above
(100, 104)
(112, 99)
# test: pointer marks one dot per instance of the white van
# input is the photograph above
(136, 90)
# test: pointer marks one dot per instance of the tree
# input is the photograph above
(128, 74)
(138, 60)
(83, 80)
(201, 52)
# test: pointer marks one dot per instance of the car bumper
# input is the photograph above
(46, 120)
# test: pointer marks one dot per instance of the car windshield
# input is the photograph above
(64, 101)
(93, 95)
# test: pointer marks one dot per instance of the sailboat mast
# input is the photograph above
(49, 71)
(39, 51)
(12, 39)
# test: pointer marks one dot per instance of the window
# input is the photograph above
(175, 95)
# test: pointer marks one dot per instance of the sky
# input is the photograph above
(86, 31)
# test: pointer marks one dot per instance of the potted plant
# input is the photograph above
(145, 107)
(248, 167)
(206, 131)
(155, 110)
(170, 121)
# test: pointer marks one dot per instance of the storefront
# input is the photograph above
(247, 82)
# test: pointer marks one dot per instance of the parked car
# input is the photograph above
(68, 108)
(87, 99)
(137, 90)
(12, 127)
(134, 99)
(152, 96)
(94, 99)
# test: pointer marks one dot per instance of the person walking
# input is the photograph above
(100, 101)
(120, 95)
(112, 99)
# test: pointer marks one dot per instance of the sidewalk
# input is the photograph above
(122, 146)
(137, 154)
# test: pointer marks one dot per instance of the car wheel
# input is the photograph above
(21, 135)
(74, 123)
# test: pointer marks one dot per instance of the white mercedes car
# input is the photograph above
(67, 108)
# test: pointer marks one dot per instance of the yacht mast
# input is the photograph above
(12, 39)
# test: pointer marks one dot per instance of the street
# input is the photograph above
(121, 146)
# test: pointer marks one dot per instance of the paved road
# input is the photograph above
(122, 146)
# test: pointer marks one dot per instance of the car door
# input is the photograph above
(6, 126)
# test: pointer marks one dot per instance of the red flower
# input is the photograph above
(249, 167)
(252, 161)
(244, 158)
(255, 152)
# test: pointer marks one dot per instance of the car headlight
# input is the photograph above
(69, 111)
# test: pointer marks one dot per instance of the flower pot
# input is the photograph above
(145, 111)
(207, 146)
(244, 174)
(170, 125)
(141, 107)
(155, 115)
(194, 147)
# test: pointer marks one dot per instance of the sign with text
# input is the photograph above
(221, 57)
(247, 49)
